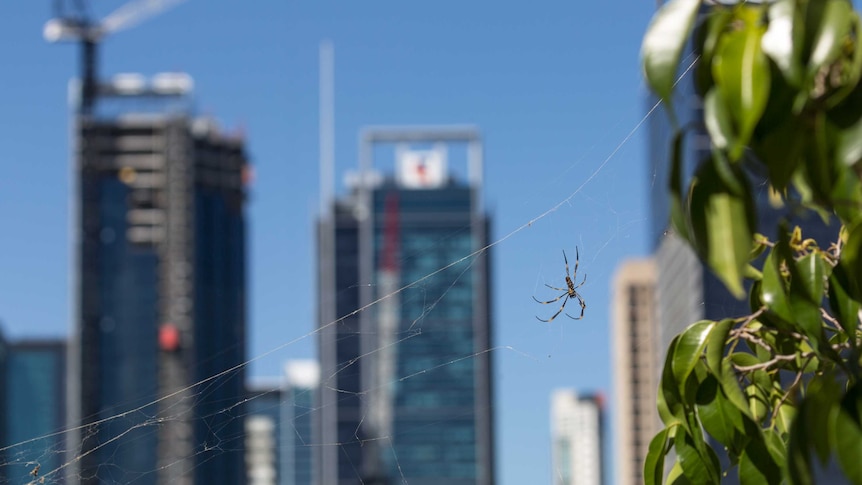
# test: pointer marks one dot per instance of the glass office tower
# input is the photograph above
(406, 382)
(35, 405)
(160, 267)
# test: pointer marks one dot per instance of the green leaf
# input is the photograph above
(654, 461)
(846, 193)
(689, 349)
(848, 434)
(781, 136)
(774, 289)
(719, 417)
(799, 460)
(696, 467)
(731, 389)
(851, 260)
(741, 72)
(675, 475)
(844, 308)
(717, 119)
(678, 214)
(817, 413)
(776, 445)
(757, 465)
(785, 416)
(832, 32)
(706, 41)
(853, 67)
(779, 42)
(848, 147)
(669, 401)
(715, 344)
(807, 292)
(818, 162)
(722, 218)
(664, 40)
(813, 273)
(757, 402)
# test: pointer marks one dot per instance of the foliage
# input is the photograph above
(778, 390)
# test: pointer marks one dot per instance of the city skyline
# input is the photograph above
(548, 132)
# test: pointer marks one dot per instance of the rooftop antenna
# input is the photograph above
(76, 25)
(327, 121)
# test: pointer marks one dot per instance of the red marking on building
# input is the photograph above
(169, 337)
(389, 251)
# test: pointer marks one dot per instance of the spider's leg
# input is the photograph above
(583, 307)
(582, 282)
(555, 288)
(567, 263)
(577, 260)
(558, 311)
(551, 301)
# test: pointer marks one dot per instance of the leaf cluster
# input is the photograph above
(779, 388)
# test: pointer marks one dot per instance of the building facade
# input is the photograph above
(3, 391)
(405, 325)
(160, 290)
(577, 435)
(262, 433)
(301, 378)
(636, 356)
(35, 407)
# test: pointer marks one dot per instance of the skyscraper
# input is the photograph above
(262, 432)
(577, 431)
(405, 390)
(298, 408)
(35, 406)
(637, 363)
(160, 290)
(3, 391)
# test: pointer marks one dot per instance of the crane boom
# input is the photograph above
(134, 13)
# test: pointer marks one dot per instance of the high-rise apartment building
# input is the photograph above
(405, 325)
(160, 290)
(636, 366)
(35, 407)
(577, 431)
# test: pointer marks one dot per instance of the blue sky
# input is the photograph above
(554, 87)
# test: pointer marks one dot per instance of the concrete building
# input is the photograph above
(577, 431)
(636, 353)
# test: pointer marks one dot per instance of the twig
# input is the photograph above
(765, 365)
(792, 387)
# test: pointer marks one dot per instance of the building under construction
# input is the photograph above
(160, 319)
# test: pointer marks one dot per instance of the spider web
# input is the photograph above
(22, 459)
(551, 216)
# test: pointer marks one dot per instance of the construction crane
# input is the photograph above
(76, 25)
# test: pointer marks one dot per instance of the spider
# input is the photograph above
(569, 292)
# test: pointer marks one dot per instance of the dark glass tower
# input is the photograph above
(160, 248)
(406, 383)
(3, 412)
(35, 404)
